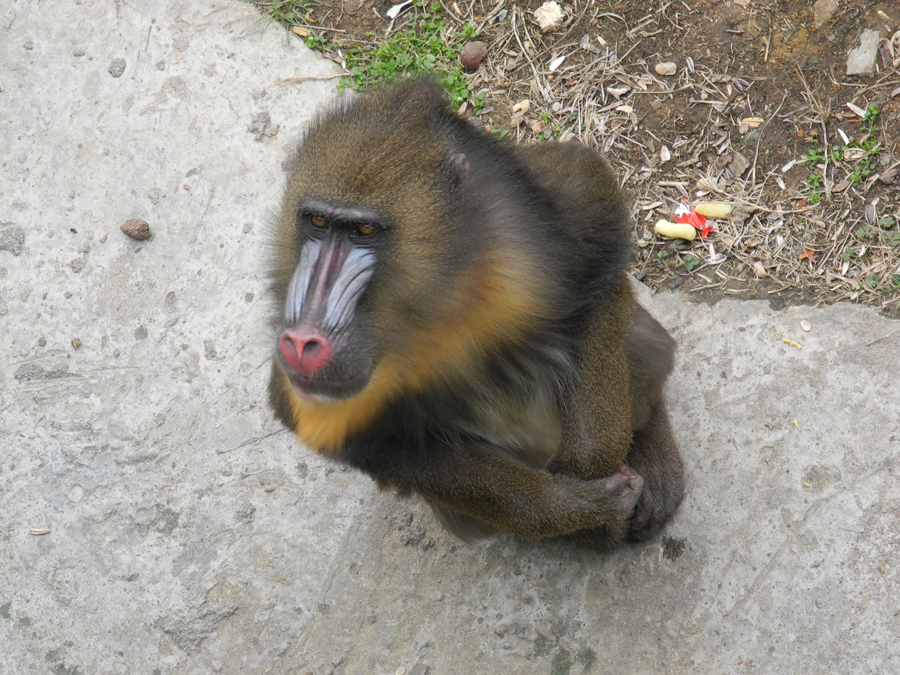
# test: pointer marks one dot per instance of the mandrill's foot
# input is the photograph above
(654, 508)
(655, 457)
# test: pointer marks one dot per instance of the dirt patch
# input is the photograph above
(760, 113)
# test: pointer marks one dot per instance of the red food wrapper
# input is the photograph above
(684, 213)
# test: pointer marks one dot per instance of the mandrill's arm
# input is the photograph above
(487, 483)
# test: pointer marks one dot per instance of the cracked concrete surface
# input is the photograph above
(188, 533)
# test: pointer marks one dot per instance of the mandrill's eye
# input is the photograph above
(365, 229)
(319, 221)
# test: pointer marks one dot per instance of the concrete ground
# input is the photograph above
(188, 533)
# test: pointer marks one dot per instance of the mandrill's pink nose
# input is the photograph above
(304, 352)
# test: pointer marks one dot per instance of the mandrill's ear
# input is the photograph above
(459, 164)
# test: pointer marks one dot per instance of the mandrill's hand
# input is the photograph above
(608, 499)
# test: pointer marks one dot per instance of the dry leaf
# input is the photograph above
(856, 109)
(843, 185)
(586, 45)
(394, 11)
(738, 165)
(708, 184)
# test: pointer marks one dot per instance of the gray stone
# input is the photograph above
(12, 239)
(861, 61)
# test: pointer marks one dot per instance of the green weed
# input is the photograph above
(864, 167)
(423, 46)
(814, 183)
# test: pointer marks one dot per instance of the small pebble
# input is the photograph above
(473, 54)
(136, 228)
(667, 68)
(117, 67)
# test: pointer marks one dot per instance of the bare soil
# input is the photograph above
(758, 85)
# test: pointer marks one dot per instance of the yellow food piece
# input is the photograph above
(675, 230)
(717, 210)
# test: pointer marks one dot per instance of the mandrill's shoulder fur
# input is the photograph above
(497, 305)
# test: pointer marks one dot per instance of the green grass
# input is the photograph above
(424, 46)
(858, 172)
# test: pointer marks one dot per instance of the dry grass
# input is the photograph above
(799, 229)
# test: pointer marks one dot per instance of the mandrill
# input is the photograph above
(455, 320)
